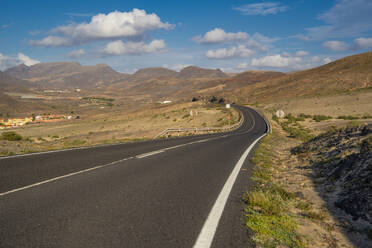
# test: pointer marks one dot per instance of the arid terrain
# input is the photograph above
(114, 107)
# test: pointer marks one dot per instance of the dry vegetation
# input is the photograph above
(116, 126)
(285, 209)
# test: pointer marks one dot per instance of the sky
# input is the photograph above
(230, 35)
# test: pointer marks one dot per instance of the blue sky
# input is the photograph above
(230, 35)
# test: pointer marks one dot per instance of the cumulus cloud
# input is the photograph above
(114, 25)
(52, 41)
(76, 53)
(276, 61)
(176, 67)
(345, 19)
(327, 60)
(134, 48)
(219, 35)
(265, 8)
(301, 53)
(27, 60)
(362, 43)
(8, 61)
(335, 45)
(239, 51)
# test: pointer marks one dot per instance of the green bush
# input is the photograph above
(302, 115)
(275, 118)
(354, 124)
(347, 117)
(319, 118)
(10, 136)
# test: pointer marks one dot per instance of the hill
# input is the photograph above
(154, 72)
(345, 75)
(11, 84)
(66, 75)
(197, 72)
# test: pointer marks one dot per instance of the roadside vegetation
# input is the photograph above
(267, 204)
(287, 206)
(295, 130)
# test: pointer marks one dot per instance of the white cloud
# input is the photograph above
(317, 60)
(286, 55)
(345, 19)
(51, 41)
(301, 53)
(114, 25)
(335, 45)
(277, 61)
(239, 51)
(76, 53)
(265, 8)
(327, 60)
(243, 65)
(219, 35)
(134, 48)
(176, 67)
(363, 43)
(8, 62)
(27, 60)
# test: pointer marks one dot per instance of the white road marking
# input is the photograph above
(208, 231)
(101, 166)
(144, 155)
(105, 165)
(64, 176)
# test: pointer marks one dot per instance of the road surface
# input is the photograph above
(160, 193)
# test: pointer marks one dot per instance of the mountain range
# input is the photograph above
(152, 84)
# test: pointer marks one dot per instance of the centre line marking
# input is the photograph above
(64, 176)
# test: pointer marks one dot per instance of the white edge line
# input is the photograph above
(100, 166)
(64, 176)
(208, 231)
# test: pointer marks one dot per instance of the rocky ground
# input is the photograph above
(330, 177)
(341, 167)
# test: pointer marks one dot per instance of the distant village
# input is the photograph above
(18, 122)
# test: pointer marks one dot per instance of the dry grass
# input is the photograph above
(116, 126)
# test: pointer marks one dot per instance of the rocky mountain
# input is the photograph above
(66, 75)
(197, 72)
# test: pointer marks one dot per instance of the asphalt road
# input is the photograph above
(146, 194)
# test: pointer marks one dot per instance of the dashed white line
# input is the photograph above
(144, 155)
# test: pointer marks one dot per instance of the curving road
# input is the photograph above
(161, 193)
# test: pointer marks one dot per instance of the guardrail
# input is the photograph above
(203, 129)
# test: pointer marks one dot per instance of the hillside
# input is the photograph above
(66, 75)
(153, 72)
(253, 77)
(197, 72)
(11, 84)
(344, 75)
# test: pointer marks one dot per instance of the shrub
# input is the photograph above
(347, 117)
(319, 118)
(302, 115)
(10, 136)
(354, 124)
(275, 118)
